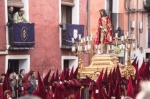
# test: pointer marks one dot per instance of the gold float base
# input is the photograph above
(98, 63)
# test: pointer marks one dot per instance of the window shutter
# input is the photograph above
(15, 3)
(67, 2)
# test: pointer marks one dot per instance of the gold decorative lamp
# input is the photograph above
(127, 44)
(83, 45)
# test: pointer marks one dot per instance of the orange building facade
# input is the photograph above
(47, 53)
(136, 22)
(47, 16)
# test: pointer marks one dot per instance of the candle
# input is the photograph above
(123, 46)
(112, 47)
(108, 47)
(91, 37)
(85, 48)
(133, 36)
(122, 38)
(120, 46)
(110, 38)
(87, 38)
(116, 35)
(127, 34)
(96, 46)
(133, 24)
(133, 45)
(141, 25)
(79, 36)
(72, 40)
(84, 40)
(81, 40)
(89, 46)
(78, 48)
(73, 49)
(99, 52)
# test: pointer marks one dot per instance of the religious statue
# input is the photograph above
(104, 32)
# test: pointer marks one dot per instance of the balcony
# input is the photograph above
(67, 34)
(21, 36)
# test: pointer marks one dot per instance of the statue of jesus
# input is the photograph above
(104, 32)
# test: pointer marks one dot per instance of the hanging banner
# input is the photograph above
(22, 35)
(73, 31)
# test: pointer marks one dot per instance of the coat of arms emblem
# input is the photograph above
(24, 34)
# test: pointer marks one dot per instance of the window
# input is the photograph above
(68, 62)
(117, 19)
(66, 11)
(24, 62)
(67, 2)
(66, 18)
(66, 14)
(109, 6)
(69, 14)
(17, 4)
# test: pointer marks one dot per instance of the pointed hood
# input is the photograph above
(146, 71)
(35, 92)
(67, 75)
(45, 80)
(105, 76)
(87, 80)
(130, 89)
(26, 83)
(76, 73)
(113, 75)
(62, 77)
(137, 86)
(77, 96)
(6, 85)
(77, 83)
(57, 76)
(105, 96)
(41, 88)
(40, 82)
(51, 80)
(109, 76)
(56, 94)
(71, 74)
(117, 92)
(118, 74)
(25, 79)
(134, 63)
(110, 90)
(99, 80)
(141, 70)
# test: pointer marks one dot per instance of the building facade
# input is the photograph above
(128, 15)
(49, 17)
(48, 53)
